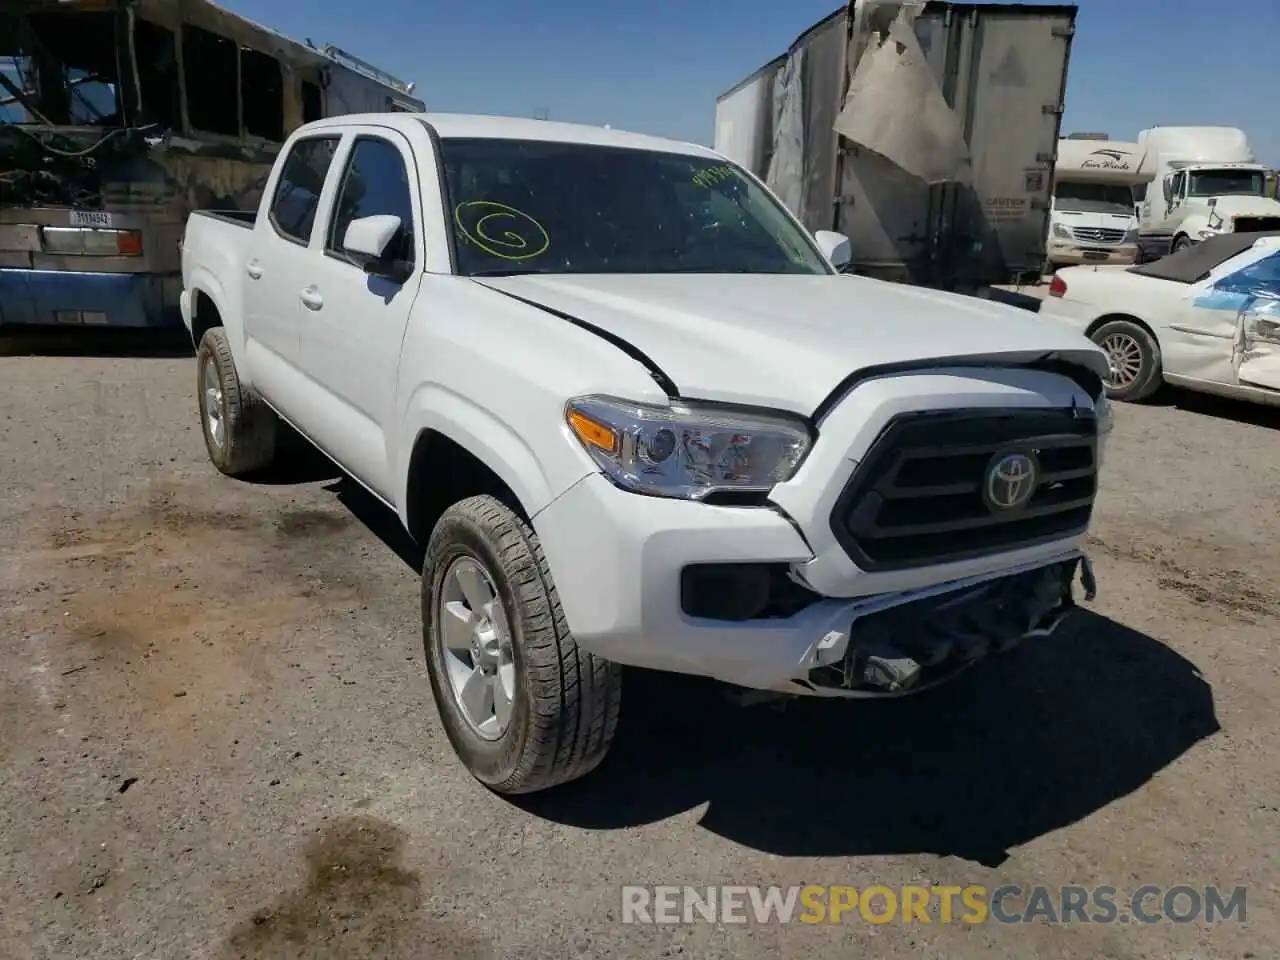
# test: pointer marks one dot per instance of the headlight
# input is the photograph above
(1130, 237)
(687, 451)
(1102, 409)
(1061, 231)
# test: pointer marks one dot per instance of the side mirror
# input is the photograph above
(370, 236)
(835, 247)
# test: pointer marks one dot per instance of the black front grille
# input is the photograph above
(917, 498)
(1256, 224)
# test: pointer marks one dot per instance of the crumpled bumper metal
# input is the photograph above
(918, 644)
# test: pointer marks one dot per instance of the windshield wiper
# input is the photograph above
(508, 272)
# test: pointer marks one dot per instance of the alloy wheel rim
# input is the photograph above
(475, 647)
(1125, 356)
(215, 422)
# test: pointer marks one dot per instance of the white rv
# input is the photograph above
(1092, 216)
(1205, 182)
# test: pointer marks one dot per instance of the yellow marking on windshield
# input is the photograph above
(520, 237)
(708, 177)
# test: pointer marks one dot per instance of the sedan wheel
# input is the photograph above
(1134, 358)
(1125, 354)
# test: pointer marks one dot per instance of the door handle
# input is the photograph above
(311, 298)
(253, 269)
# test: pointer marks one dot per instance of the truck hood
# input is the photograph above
(1229, 207)
(788, 342)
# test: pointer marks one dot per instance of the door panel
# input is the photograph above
(276, 260)
(353, 321)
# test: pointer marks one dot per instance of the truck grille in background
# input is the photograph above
(1256, 224)
(1105, 235)
(917, 499)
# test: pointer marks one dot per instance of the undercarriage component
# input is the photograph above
(922, 642)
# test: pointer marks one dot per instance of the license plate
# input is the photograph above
(1094, 255)
(90, 218)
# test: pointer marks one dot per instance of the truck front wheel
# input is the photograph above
(239, 430)
(523, 706)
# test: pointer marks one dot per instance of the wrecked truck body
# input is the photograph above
(119, 117)
(925, 132)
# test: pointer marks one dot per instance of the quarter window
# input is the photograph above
(293, 208)
(376, 182)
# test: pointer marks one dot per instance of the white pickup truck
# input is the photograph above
(636, 416)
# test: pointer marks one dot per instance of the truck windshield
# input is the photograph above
(526, 206)
(1093, 198)
(1227, 183)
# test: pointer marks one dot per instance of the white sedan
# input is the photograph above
(1205, 318)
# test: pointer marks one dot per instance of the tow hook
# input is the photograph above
(882, 666)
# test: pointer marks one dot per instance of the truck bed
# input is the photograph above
(242, 218)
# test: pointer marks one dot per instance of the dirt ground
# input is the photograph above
(217, 737)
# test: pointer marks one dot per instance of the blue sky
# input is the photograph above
(656, 67)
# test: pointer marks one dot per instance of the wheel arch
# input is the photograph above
(205, 315)
(442, 472)
(1127, 317)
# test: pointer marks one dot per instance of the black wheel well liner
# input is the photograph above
(204, 316)
(442, 472)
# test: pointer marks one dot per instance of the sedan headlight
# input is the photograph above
(687, 451)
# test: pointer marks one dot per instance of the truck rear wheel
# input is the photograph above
(523, 706)
(239, 430)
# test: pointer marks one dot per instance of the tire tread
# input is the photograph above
(574, 695)
(251, 426)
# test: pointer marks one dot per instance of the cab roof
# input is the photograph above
(458, 126)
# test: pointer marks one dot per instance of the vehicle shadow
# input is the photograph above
(142, 342)
(1254, 414)
(298, 461)
(1025, 744)
(380, 521)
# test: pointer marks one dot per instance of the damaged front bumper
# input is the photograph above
(921, 641)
